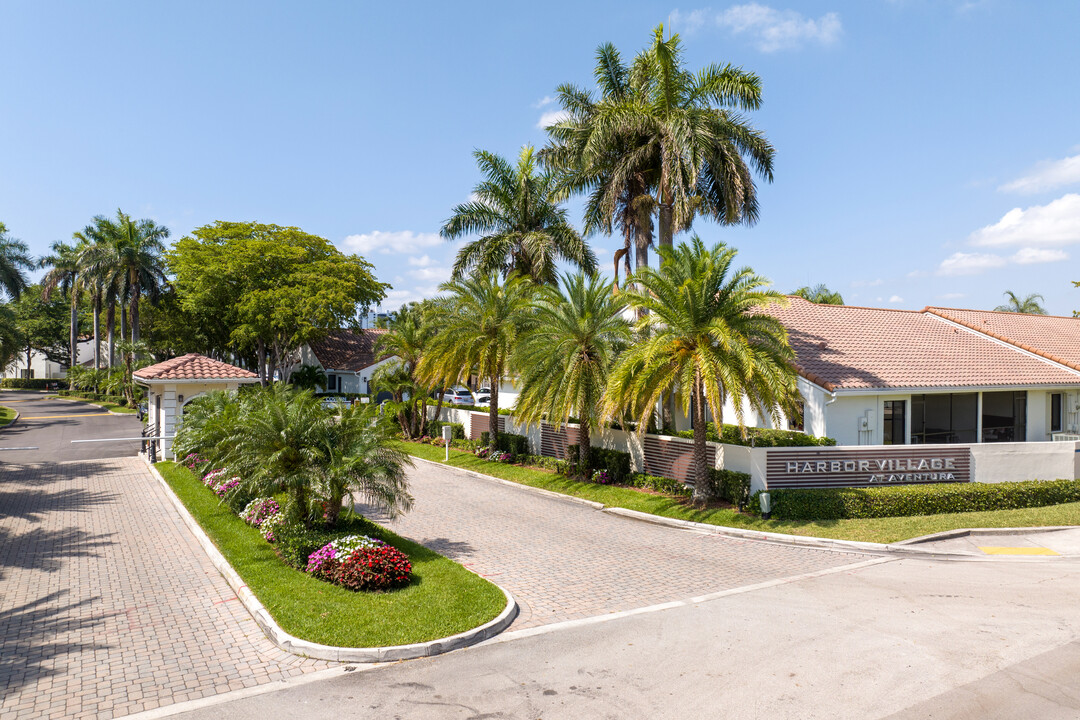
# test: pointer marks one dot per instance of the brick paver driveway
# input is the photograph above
(107, 605)
(563, 560)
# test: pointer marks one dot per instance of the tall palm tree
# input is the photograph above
(89, 279)
(522, 228)
(820, 294)
(14, 260)
(129, 260)
(478, 334)
(705, 337)
(62, 275)
(1032, 304)
(565, 356)
(408, 338)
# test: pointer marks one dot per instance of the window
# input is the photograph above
(27, 374)
(1004, 417)
(894, 433)
(1055, 412)
(943, 418)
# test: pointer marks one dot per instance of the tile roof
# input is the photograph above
(1056, 338)
(842, 347)
(347, 349)
(194, 367)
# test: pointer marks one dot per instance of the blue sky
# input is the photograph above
(928, 152)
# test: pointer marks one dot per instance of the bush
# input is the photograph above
(295, 543)
(508, 442)
(545, 462)
(734, 487)
(659, 484)
(908, 500)
(457, 430)
(615, 462)
(464, 444)
(756, 437)
(32, 383)
(259, 510)
(369, 568)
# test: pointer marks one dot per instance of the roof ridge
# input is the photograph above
(1003, 312)
(1014, 343)
(855, 307)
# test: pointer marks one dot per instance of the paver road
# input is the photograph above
(50, 424)
(564, 561)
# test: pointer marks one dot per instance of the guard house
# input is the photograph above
(174, 383)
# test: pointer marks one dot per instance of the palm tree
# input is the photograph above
(820, 294)
(408, 338)
(62, 275)
(478, 335)
(522, 227)
(14, 259)
(89, 280)
(565, 356)
(682, 131)
(308, 377)
(1032, 304)
(704, 336)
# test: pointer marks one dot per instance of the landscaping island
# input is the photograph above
(879, 530)
(442, 599)
(7, 416)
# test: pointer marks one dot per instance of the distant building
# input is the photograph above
(347, 357)
(43, 368)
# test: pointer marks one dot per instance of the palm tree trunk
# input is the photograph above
(123, 321)
(110, 331)
(585, 450)
(74, 337)
(97, 332)
(493, 414)
(667, 235)
(701, 471)
(135, 292)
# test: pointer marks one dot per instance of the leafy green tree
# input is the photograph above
(564, 357)
(705, 337)
(10, 343)
(522, 227)
(14, 261)
(275, 288)
(62, 275)
(308, 377)
(42, 325)
(478, 334)
(1032, 304)
(820, 294)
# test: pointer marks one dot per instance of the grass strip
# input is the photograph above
(880, 530)
(444, 598)
(7, 415)
(122, 409)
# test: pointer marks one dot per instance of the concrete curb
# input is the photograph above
(292, 644)
(13, 420)
(902, 548)
(965, 532)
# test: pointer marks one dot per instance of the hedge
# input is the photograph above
(731, 486)
(434, 429)
(615, 462)
(508, 442)
(909, 500)
(32, 383)
(756, 437)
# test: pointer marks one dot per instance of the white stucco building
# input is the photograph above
(43, 368)
(347, 357)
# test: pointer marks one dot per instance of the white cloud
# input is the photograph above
(1047, 175)
(546, 100)
(551, 117)
(773, 29)
(1031, 256)
(404, 241)
(969, 263)
(1056, 223)
(688, 22)
(896, 299)
(435, 274)
(422, 261)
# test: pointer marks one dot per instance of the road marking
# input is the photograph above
(993, 550)
(50, 417)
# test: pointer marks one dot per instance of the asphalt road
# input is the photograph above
(50, 424)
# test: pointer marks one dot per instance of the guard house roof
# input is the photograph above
(350, 350)
(841, 347)
(194, 367)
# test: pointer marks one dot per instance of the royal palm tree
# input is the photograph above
(820, 294)
(14, 260)
(90, 278)
(1032, 304)
(564, 357)
(478, 334)
(62, 275)
(522, 228)
(706, 337)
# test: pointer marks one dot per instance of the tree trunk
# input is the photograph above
(74, 338)
(97, 332)
(123, 322)
(493, 414)
(28, 351)
(135, 311)
(110, 331)
(260, 352)
(667, 234)
(701, 471)
(271, 368)
(585, 451)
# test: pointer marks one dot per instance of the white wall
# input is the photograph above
(1010, 462)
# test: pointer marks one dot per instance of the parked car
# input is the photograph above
(483, 397)
(457, 396)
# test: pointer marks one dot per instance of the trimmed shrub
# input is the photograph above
(756, 437)
(508, 442)
(457, 430)
(734, 487)
(295, 543)
(32, 383)
(615, 462)
(909, 500)
(464, 444)
(545, 462)
(659, 484)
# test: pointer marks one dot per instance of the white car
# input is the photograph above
(483, 397)
(458, 396)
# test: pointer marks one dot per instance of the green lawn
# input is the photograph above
(443, 599)
(881, 530)
(107, 405)
(6, 416)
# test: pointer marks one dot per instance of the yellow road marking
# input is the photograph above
(992, 550)
(50, 417)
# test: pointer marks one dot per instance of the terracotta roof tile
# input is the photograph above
(1053, 337)
(347, 349)
(193, 367)
(846, 347)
